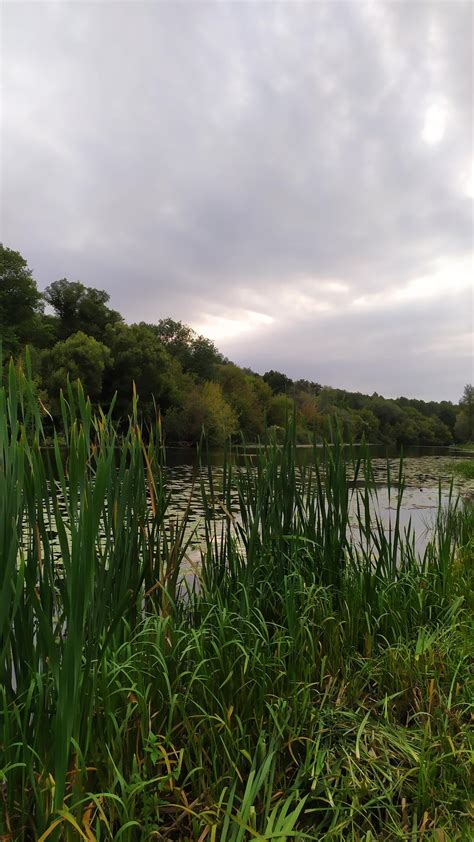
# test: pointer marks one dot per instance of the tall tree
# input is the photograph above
(204, 409)
(464, 428)
(248, 396)
(197, 355)
(20, 301)
(77, 357)
(80, 308)
(278, 382)
(139, 357)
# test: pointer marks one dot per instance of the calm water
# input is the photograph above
(427, 483)
(427, 477)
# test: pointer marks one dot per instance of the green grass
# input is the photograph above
(307, 686)
(462, 468)
(468, 446)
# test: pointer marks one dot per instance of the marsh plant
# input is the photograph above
(309, 678)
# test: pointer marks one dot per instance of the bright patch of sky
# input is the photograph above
(435, 123)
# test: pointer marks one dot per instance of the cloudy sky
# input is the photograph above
(294, 180)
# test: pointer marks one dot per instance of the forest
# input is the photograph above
(72, 332)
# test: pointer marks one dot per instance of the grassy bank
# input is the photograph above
(463, 468)
(307, 684)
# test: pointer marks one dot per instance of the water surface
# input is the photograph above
(427, 475)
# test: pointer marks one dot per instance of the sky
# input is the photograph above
(294, 180)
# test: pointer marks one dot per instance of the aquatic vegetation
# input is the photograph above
(469, 446)
(463, 468)
(308, 679)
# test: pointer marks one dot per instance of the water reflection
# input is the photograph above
(427, 482)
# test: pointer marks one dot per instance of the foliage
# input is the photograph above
(465, 421)
(77, 357)
(197, 355)
(20, 301)
(80, 308)
(280, 410)
(278, 382)
(170, 365)
(464, 468)
(140, 358)
(248, 396)
(204, 410)
(314, 685)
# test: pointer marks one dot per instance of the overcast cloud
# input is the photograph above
(292, 179)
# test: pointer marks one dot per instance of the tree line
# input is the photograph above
(186, 378)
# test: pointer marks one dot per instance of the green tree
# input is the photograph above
(139, 357)
(307, 386)
(20, 302)
(197, 355)
(204, 358)
(280, 408)
(370, 426)
(262, 391)
(307, 409)
(279, 383)
(175, 336)
(464, 428)
(245, 395)
(392, 419)
(80, 308)
(446, 412)
(204, 408)
(77, 357)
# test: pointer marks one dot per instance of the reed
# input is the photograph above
(312, 681)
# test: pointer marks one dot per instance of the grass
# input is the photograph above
(310, 684)
(463, 468)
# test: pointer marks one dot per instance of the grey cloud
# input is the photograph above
(200, 158)
(381, 351)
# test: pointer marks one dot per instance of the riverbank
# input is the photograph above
(463, 468)
(307, 686)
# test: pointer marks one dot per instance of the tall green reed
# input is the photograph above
(269, 699)
(83, 546)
